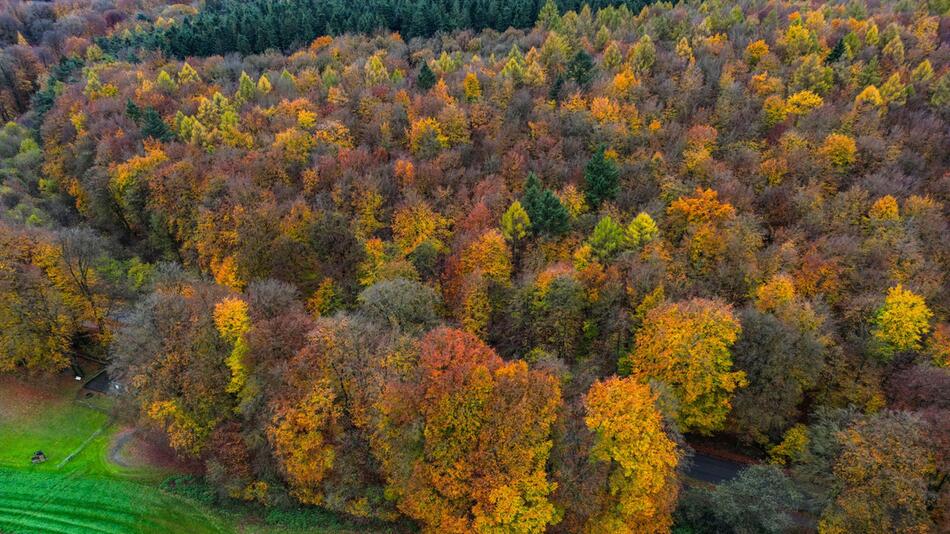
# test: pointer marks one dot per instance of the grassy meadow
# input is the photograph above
(78, 489)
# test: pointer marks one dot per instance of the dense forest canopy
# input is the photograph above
(498, 266)
(254, 26)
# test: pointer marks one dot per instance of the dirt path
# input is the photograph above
(118, 442)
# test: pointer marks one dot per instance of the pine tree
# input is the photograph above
(835, 53)
(426, 79)
(188, 74)
(601, 178)
(554, 93)
(515, 223)
(531, 198)
(133, 111)
(606, 239)
(263, 85)
(545, 211)
(153, 126)
(549, 17)
(581, 68)
(165, 82)
(246, 88)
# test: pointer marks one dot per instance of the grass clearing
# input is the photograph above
(79, 490)
(74, 436)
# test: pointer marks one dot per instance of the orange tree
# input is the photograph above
(464, 441)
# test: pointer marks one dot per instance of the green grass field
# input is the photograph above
(74, 436)
(78, 490)
(55, 503)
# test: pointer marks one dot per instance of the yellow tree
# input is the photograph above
(232, 321)
(628, 435)
(490, 255)
(901, 322)
(426, 138)
(686, 345)
(698, 220)
(839, 150)
(472, 87)
(301, 436)
(37, 320)
(415, 224)
(803, 102)
(641, 230)
(375, 71)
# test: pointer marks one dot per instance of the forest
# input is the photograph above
(489, 266)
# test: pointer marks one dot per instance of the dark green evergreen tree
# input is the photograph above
(581, 68)
(554, 93)
(836, 52)
(133, 111)
(153, 126)
(548, 216)
(426, 79)
(601, 179)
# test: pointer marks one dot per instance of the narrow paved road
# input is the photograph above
(713, 470)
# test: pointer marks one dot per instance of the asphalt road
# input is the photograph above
(713, 470)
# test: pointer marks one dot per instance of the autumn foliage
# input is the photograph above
(496, 266)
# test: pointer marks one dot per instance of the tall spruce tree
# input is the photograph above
(153, 126)
(426, 79)
(601, 178)
(548, 216)
(836, 52)
(581, 68)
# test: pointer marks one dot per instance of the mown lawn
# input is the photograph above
(32, 502)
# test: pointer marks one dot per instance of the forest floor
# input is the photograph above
(98, 476)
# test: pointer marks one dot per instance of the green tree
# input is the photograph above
(426, 78)
(601, 179)
(581, 68)
(606, 239)
(643, 55)
(399, 302)
(782, 359)
(641, 230)
(545, 211)
(246, 89)
(758, 501)
(835, 53)
(153, 126)
(133, 111)
(549, 16)
(515, 223)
